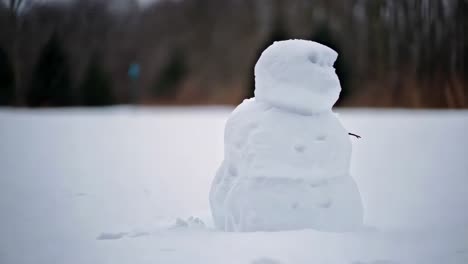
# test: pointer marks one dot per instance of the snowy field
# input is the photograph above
(106, 186)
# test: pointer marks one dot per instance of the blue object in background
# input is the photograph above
(134, 71)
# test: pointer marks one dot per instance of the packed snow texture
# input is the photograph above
(107, 186)
(297, 75)
(287, 156)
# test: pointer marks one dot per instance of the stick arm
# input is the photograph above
(354, 135)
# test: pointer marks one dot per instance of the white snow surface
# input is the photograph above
(287, 156)
(126, 186)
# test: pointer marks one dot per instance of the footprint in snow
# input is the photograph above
(190, 223)
(111, 236)
(265, 261)
(139, 234)
(380, 261)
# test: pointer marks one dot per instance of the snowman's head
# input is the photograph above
(297, 75)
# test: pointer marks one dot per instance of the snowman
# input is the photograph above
(287, 156)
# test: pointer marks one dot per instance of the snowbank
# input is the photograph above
(106, 186)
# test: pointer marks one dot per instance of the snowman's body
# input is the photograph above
(287, 156)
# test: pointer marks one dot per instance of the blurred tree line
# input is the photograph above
(393, 53)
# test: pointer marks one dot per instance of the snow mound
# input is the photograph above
(283, 169)
(191, 222)
(297, 75)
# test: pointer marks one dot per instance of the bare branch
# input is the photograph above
(18, 4)
(15, 5)
(354, 135)
(12, 6)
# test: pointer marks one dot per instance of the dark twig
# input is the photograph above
(354, 135)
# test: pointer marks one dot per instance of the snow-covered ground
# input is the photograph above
(106, 186)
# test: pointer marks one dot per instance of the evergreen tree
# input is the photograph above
(171, 76)
(96, 86)
(51, 84)
(7, 80)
